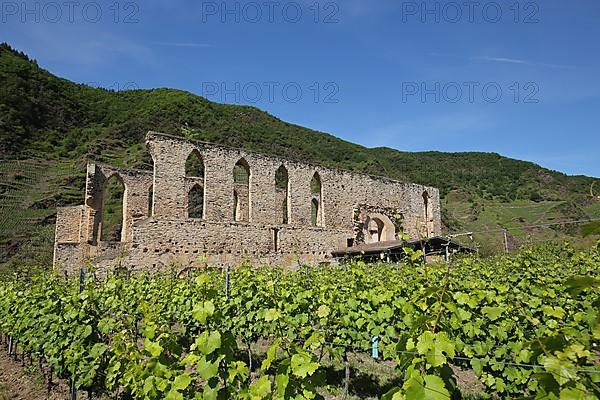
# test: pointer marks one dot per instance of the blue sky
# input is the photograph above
(518, 78)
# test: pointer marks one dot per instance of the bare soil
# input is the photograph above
(369, 379)
(27, 383)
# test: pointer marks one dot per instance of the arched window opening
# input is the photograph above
(111, 228)
(315, 185)
(314, 212)
(281, 194)
(194, 169)
(194, 166)
(236, 204)
(426, 204)
(376, 231)
(241, 173)
(284, 212)
(150, 200)
(275, 233)
(316, 200)
(428, 228)
(196, 202)
(378, 228)
(241, 191)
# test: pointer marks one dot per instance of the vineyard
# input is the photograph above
(526, 325)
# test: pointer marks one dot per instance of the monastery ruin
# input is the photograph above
(236, 205)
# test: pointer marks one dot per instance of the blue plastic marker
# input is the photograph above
(375, 342)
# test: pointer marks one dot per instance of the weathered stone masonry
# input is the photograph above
(262, 222)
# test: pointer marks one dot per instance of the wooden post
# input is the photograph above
(73, 389)
(447, 253)
(228, 281)
(505, 241)
(250, 366)
(81, 279)
(49, 379)
(346, 375)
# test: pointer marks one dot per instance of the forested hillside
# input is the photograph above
(50, 126)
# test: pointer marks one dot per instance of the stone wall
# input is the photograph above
(68, 224)
(166, 236)
(135, 203)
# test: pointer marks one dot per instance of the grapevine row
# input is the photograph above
(526, 324)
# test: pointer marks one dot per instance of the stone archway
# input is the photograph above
(378, 228)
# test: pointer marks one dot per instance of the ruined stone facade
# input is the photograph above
(254, 207)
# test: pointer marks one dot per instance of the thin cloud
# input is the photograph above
(522, 62)
(181, 44)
